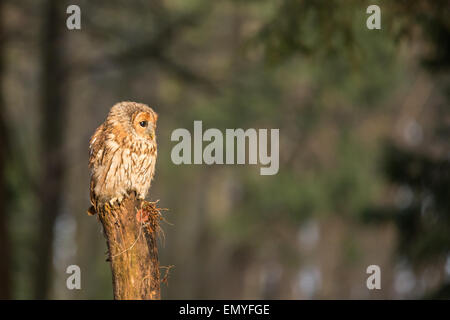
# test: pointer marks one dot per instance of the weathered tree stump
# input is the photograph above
(131, 230)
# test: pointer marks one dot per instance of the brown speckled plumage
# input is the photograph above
(122, 154)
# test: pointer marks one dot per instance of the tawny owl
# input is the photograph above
(122, 154)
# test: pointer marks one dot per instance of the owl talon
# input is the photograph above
(115, 201)
(112, 202)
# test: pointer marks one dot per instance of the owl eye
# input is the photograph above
(143, 124)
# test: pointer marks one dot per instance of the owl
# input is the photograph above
(122, 154)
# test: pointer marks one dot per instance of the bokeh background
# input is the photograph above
(364, 144)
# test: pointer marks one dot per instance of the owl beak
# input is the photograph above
(151, 133)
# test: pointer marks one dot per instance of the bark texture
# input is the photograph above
(132, 246)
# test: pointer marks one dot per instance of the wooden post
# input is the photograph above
(132, 246)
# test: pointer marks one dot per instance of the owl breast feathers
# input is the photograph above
(122, 154)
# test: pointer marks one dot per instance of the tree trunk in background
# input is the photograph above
(53, 126)
(133, 250)
(5, 279)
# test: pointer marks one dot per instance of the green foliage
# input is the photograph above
(424, 220)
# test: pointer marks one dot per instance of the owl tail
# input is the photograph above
(91, 211)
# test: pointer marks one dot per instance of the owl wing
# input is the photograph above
(95, 148)
(95, 156)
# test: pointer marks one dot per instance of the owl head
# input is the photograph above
(137, 119)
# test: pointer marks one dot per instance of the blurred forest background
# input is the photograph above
(364, 144)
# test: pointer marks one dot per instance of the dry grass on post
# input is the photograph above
(131, 230)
